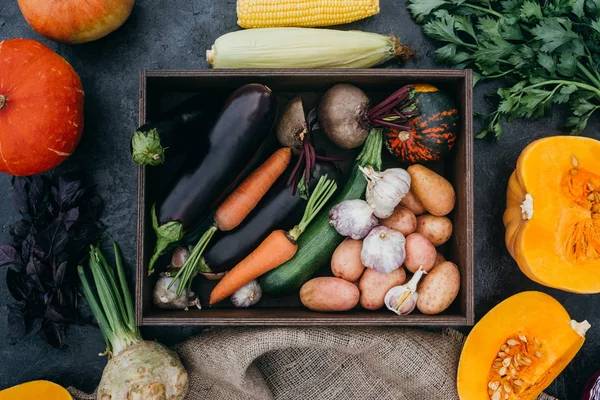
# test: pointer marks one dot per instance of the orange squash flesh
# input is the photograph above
(530, 335)
(559, 244)
(35, 390)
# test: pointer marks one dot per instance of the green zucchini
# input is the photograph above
(319, 240)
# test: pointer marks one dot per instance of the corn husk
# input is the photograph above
(303, 48)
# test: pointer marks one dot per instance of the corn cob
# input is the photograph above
(302, 13)
(304, 48)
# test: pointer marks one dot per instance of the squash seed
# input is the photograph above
(496, 396)
(505, 348)
(506, 388)
(506, 362)
(512, 342)
(506, 396)
(502, 371)
(497, 360)
(525, 360)
(494, 385)
(591, 197)
(518, 382)
(538, 354)
(502, 354)
(574, 161)
(574, 171)
(514, 372)
(590, 186)
(523, 338)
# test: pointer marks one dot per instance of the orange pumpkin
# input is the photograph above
(517, 349)
(552, 215)
(75, 21)
(35, 390)
(41, 108)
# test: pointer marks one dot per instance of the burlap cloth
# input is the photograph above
(321, 364)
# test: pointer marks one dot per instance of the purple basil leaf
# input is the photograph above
(70, 217)
(38, 195)
(54, 239)
(53, 315)
(33, 325)
(93, 209)
(19, 285)
(20, 198)
(54, 334)
(69, 190)
(8, 255)
(59, 273)
(27, 248)
(21, 229)
(16, 321)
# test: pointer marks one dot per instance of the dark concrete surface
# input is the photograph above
(174, 34)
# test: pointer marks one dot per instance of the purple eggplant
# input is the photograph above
(215, 166)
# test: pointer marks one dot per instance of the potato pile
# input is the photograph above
(421, 218)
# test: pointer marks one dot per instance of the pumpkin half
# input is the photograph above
(35, 390)
(552, 215)
(518, 348)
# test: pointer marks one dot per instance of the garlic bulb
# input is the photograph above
(383, 250)
(179, 257)
(248, 295)
(385, 189)
(166, 298)
(403, 299)
(352, 218)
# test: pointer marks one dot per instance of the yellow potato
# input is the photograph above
(433, 190)
(438, 289)
(437, 229)
(373, 286)
(329, 294)
(419, 253)
(439, 259)
(402, 220)
(345, 261)
(411, 202)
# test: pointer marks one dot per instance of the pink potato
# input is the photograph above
(373, 286)
(437, 229)
(402, 220)
(345, 261)
(411, 202)
(438, 289)
(419, 252)
(439, 258)
(329, 294)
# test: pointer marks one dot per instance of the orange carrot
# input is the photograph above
(242, 200)
(234, 209)
(272, 252)
(278, 248)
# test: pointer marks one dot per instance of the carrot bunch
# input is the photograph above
(280, 246)
(236, 207)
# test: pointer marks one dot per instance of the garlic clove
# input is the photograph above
(385, 189)
(403, 299)
(248, 295)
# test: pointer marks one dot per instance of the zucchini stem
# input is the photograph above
(323, 191)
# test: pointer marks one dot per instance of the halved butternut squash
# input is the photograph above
(552, 215)
(518, 348)
(35, 390)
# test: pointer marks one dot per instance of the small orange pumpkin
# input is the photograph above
(41, 108)
(552, 215)
(75, 21)
(518, 348)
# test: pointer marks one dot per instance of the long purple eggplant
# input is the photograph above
(279, 209)
(175, 131)
(217, 163)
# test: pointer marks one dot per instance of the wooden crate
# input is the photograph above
(159, 89)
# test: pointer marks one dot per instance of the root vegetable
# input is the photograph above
(292, 127)
(345, 261)
(419, 253)
(437, 229)
(439, 288)
(136, 369)
(167, 298)
(373, 287)
(402, 220)
(433, 190)
(342, 115)
(439, 258)
(411, 202)
(329, 294)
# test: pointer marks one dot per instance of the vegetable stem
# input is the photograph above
(92, 300)
(186, 272)
(371, 151)
(166, 234)
(588, 74)
(565, 82)
(125, 289)
(486, 10)
(323, 191)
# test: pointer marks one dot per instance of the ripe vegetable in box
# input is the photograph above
(41, 108)
(35, 390)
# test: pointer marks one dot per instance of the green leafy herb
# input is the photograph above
(548, 52)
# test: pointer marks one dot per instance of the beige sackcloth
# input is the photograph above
(296, 363)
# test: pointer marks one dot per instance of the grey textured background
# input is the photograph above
(174, 34)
